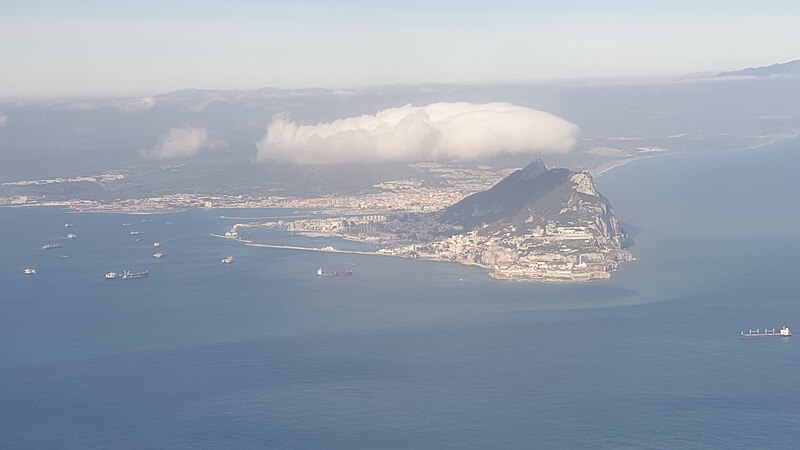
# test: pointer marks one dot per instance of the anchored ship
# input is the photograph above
(126, 275)
(783, 332)
(322, 272)
(50, 246)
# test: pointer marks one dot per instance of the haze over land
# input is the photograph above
(215, 136)
(236, 92)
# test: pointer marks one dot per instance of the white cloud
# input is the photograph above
(3, 120)
(180, 143)
(137, 104)
(464, 131)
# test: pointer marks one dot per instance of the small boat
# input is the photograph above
(71, 236)
(136, 233)
(29, 271)
(156, 244)
(50, 246)
(783, 332)
(322, 272)
(126, 275)
(68, 225)
(159, 254)
(227, 260)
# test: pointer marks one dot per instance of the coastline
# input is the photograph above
(605, 168)
(492, 272)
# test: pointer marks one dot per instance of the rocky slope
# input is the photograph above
(536, 224)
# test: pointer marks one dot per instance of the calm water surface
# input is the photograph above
(411, 354)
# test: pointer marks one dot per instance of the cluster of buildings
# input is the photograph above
(107, 177)
(551, 253)
(354, 227)
(452, 183)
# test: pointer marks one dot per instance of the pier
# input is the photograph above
(312, 249)
(308, 249)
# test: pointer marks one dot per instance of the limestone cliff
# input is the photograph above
(536, 224)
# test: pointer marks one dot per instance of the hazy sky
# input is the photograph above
(97, 48)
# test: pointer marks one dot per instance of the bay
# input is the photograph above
(411, 354)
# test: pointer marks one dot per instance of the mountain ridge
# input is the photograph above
(787, 68)
(536, 224)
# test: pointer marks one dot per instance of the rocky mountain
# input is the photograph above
(536, 224)
(533, 197)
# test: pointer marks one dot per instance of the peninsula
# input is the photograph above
(537, 224)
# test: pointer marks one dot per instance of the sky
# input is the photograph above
(60, 49)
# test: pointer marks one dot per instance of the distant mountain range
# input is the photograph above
(788, 68)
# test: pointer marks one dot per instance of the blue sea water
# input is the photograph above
(412, 354)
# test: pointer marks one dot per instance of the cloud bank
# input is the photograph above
(463, 131)
(180, 143)
(3, 120)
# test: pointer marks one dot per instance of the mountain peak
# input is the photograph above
(534, 196)
(533, 170)
(535, 224)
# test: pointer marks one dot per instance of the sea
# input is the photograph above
(261, 353)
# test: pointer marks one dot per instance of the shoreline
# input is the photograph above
(576, 278)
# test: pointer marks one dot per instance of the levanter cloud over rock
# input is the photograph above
(462, 131)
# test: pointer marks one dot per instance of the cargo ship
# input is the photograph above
(322, 272)
(126, 275)
(783, 332)
(50, 246)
